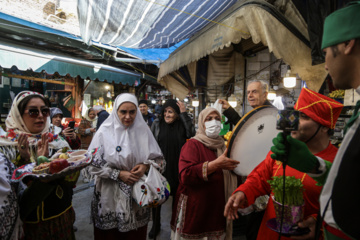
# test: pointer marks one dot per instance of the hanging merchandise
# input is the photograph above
(84, 108)
(70, 103)
(101, 101)
(52, 97)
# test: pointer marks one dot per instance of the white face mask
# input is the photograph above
(212, 128)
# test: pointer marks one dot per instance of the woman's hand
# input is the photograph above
(92, 130)
(23, 146)
(181, 106)
(139, 170)
(222, 162)
(43, 145)
(69, 132)
(128, 177)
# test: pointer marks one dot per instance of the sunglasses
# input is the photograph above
(34, 112)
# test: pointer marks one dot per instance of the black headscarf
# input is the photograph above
(171, 139)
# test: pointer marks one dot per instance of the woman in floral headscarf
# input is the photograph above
(45, 208)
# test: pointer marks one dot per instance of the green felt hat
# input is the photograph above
(342, 25)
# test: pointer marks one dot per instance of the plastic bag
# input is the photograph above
(151, 190)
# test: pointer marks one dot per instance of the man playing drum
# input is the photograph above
(318, 115)
(257, 91)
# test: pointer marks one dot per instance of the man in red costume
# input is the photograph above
(318, 115)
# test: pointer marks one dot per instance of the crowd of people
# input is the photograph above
(206, 194)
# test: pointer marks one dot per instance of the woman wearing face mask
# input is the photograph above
(206, 182)
(171, 130)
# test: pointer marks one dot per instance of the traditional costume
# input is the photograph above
(45, 213)
(198, 210)
(321, 109)
(122, 148)
(339, 200)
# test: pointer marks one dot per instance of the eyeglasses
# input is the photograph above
(34, 112)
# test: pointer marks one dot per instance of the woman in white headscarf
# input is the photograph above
(45, 215)
(87, 127)
(127, 145)
(206, 182)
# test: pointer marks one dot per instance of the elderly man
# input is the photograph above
(144, 109)
(318, 115)
(102, 115)
(339, 199)
(257, 91)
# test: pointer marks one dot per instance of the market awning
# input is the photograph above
(146, 23)
(284, 34)
(24, 58)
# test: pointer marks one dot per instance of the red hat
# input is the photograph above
(318, 107)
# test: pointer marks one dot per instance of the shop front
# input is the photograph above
(65, 82)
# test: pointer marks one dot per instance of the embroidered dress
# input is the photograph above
(198, 210)
(45, 204)
(256, 185)
(122, 148)
(10, 223)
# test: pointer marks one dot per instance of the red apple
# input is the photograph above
(58, 164)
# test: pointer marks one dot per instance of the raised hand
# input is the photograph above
(23, 146)
(234, 202)
(69, 132)
(43, 145)
(181, 106)
(225, 104)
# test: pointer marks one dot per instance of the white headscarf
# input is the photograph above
(86, 116)
(137, 142)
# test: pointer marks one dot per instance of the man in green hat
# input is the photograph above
(340, 198)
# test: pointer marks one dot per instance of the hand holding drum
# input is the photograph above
(222, 162)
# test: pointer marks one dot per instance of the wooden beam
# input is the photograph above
(37, 79)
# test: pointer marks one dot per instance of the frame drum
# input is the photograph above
(252, 138)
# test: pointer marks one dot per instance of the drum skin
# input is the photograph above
(252, 138)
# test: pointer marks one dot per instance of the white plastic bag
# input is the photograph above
(151, 190)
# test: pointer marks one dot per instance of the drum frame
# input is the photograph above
(241, 123)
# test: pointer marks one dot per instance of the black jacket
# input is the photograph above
(233, 117)
(102, 116)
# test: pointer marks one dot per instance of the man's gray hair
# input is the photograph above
(98, 108)
(264, 85)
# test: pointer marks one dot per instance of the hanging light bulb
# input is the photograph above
(271, 95)
(195, 102)
(289, 79)
(186, 99)
(232, 101)
(153, 101)
(108, 94)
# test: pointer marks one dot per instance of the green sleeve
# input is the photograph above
(321, 179)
